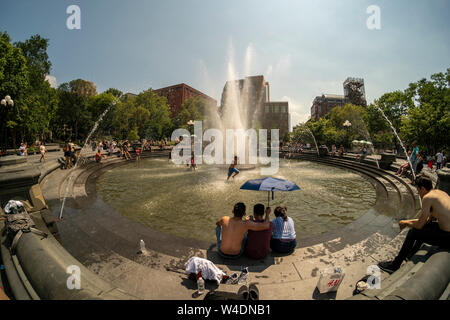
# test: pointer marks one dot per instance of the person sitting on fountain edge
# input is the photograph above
(425, 229)
(232, 169)
(283, 238)
(258, 242)
(231, 233)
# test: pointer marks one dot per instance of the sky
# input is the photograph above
(303, 48)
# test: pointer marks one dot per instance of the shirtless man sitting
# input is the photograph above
(232, 232)
(425, 229)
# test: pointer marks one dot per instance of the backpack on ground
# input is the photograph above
(18, 222)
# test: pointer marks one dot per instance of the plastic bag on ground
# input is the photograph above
(330, 279)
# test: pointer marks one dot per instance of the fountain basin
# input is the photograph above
(176, 200)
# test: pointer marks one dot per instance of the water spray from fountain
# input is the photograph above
(315, 142)
(398, 138)
(82, 149)
(403, 146)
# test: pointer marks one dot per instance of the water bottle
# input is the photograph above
(200, 285)
(142, 244)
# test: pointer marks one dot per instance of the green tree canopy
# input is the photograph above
(115, 92)
(13, 69)
(192, 109)
(145, 116)
(428, 121)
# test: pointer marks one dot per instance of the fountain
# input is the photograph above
(400, 140)
(82, 149)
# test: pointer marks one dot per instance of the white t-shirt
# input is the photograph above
(439, 157)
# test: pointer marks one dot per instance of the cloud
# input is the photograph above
(51, 80)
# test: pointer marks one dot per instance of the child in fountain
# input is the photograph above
(404, 166)
(138, 154)
(98, 156)
(232, 169)
(193, 165)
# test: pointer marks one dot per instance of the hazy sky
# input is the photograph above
(303, 48)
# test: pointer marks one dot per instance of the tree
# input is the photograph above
(428, 122)
(98, 105)
(83, 88)
(13, 69)
(38, 63)
(192, 109)
(158, 125)
(115, 92)
(72, 113)
(38, 107)
(145, 116)
(14, 80)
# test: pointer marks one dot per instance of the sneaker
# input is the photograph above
(243, 293)
(233, 279)
(243, 277)
(253, 291)
(388, 266)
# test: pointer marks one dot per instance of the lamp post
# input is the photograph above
(347, 124)
(7, 101)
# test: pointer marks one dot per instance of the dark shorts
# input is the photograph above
(68, 154)
(232, 170)
(283, 246)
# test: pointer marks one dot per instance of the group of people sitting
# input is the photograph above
(255, 235)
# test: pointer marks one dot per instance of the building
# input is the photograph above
(354, 93)
(176, 95)
(253, 94)
(276, 116)
(324, 103)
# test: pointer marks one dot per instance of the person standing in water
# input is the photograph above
(193, 165)
(43, 151)
(138, 154)
(232, 169)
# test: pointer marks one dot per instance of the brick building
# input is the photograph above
(176, 95)
(324, 103)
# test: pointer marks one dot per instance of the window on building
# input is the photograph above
(267, 108)
(276, 109)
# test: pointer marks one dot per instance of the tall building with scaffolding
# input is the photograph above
(354, 91)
